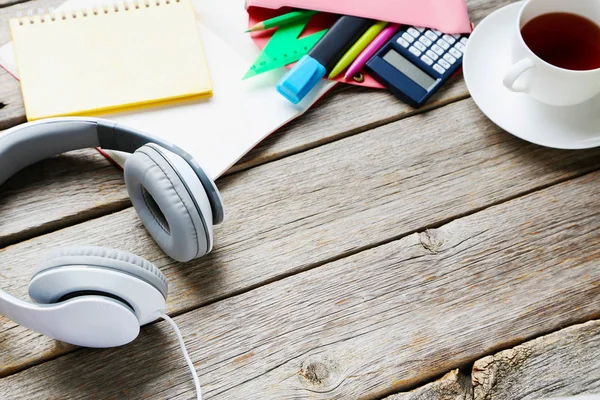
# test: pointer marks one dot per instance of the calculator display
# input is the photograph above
(409, 69)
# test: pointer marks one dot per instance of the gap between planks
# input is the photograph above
(340, 114)
(394, 281)
(8, 3)
(562, 363)
(469, 365)
(495, 158)
(243, 165)
(422, 230)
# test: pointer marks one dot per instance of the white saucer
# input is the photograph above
(486, 60)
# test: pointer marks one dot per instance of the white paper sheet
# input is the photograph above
(218, 131)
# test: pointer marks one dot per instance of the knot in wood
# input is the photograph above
(432, 240)
(316, 373)
(321, 373)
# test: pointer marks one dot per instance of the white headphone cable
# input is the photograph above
(184, 352)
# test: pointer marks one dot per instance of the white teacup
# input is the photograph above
(543, 81)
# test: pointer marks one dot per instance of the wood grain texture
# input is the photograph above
(58, 192)
(559, 365)
(346, 111)
(12, 111)
(76, 190)
(455, 385)
(364, 326)
(307, 209)
(351, 110)
(565, 363)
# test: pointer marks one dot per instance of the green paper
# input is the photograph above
(285, 48)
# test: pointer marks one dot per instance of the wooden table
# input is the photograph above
(370, 250)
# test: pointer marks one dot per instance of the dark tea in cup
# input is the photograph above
(564, 40)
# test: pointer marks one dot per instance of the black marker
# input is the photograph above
(322, 58)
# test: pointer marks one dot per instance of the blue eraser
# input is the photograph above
(301, 79)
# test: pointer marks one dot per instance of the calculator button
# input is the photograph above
(449, 58)
(444, 63)
(425, 41)
(407, 37)
(420, 46)
(464, 41)
(437, 33)
(402, 43)
(415, 33)
(414, 51)
(437, 49)
(460, 47)
(443, 44)
(432, 55)
(455, 53)
(431, 35)
(420, 29)
(439, 69)
(456, 36)
(427, 60)
(449, 39)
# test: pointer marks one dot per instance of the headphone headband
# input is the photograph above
(32, 142)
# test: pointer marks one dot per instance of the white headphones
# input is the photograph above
(99, 297)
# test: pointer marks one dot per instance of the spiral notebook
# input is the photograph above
(108, 58)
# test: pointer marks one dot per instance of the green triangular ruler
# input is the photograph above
(284, 48)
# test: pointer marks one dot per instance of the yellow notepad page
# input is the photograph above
(109, 58)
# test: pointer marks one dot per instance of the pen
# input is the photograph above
(373, 47)
(311, 68)
(284, 19)
(356, 48)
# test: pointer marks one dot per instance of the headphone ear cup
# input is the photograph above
(164, 191)
(87, 271)
(103, 257)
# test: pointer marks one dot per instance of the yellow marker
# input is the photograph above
(357, 48)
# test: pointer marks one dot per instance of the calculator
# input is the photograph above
(416, 62)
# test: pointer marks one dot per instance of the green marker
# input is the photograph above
(282, 20)
(357, 48)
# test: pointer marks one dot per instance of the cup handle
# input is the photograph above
(515, 72)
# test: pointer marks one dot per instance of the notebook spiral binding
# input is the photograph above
(50, 15)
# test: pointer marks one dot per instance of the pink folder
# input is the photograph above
(448, 16)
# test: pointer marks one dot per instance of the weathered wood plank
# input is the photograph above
(561, 364)
(58, 192)
(363, 326)
(345, 112)
(7, 3)
(12, 111)
(556, 366)
(351, 110)
(452, 386)
(342, 197)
